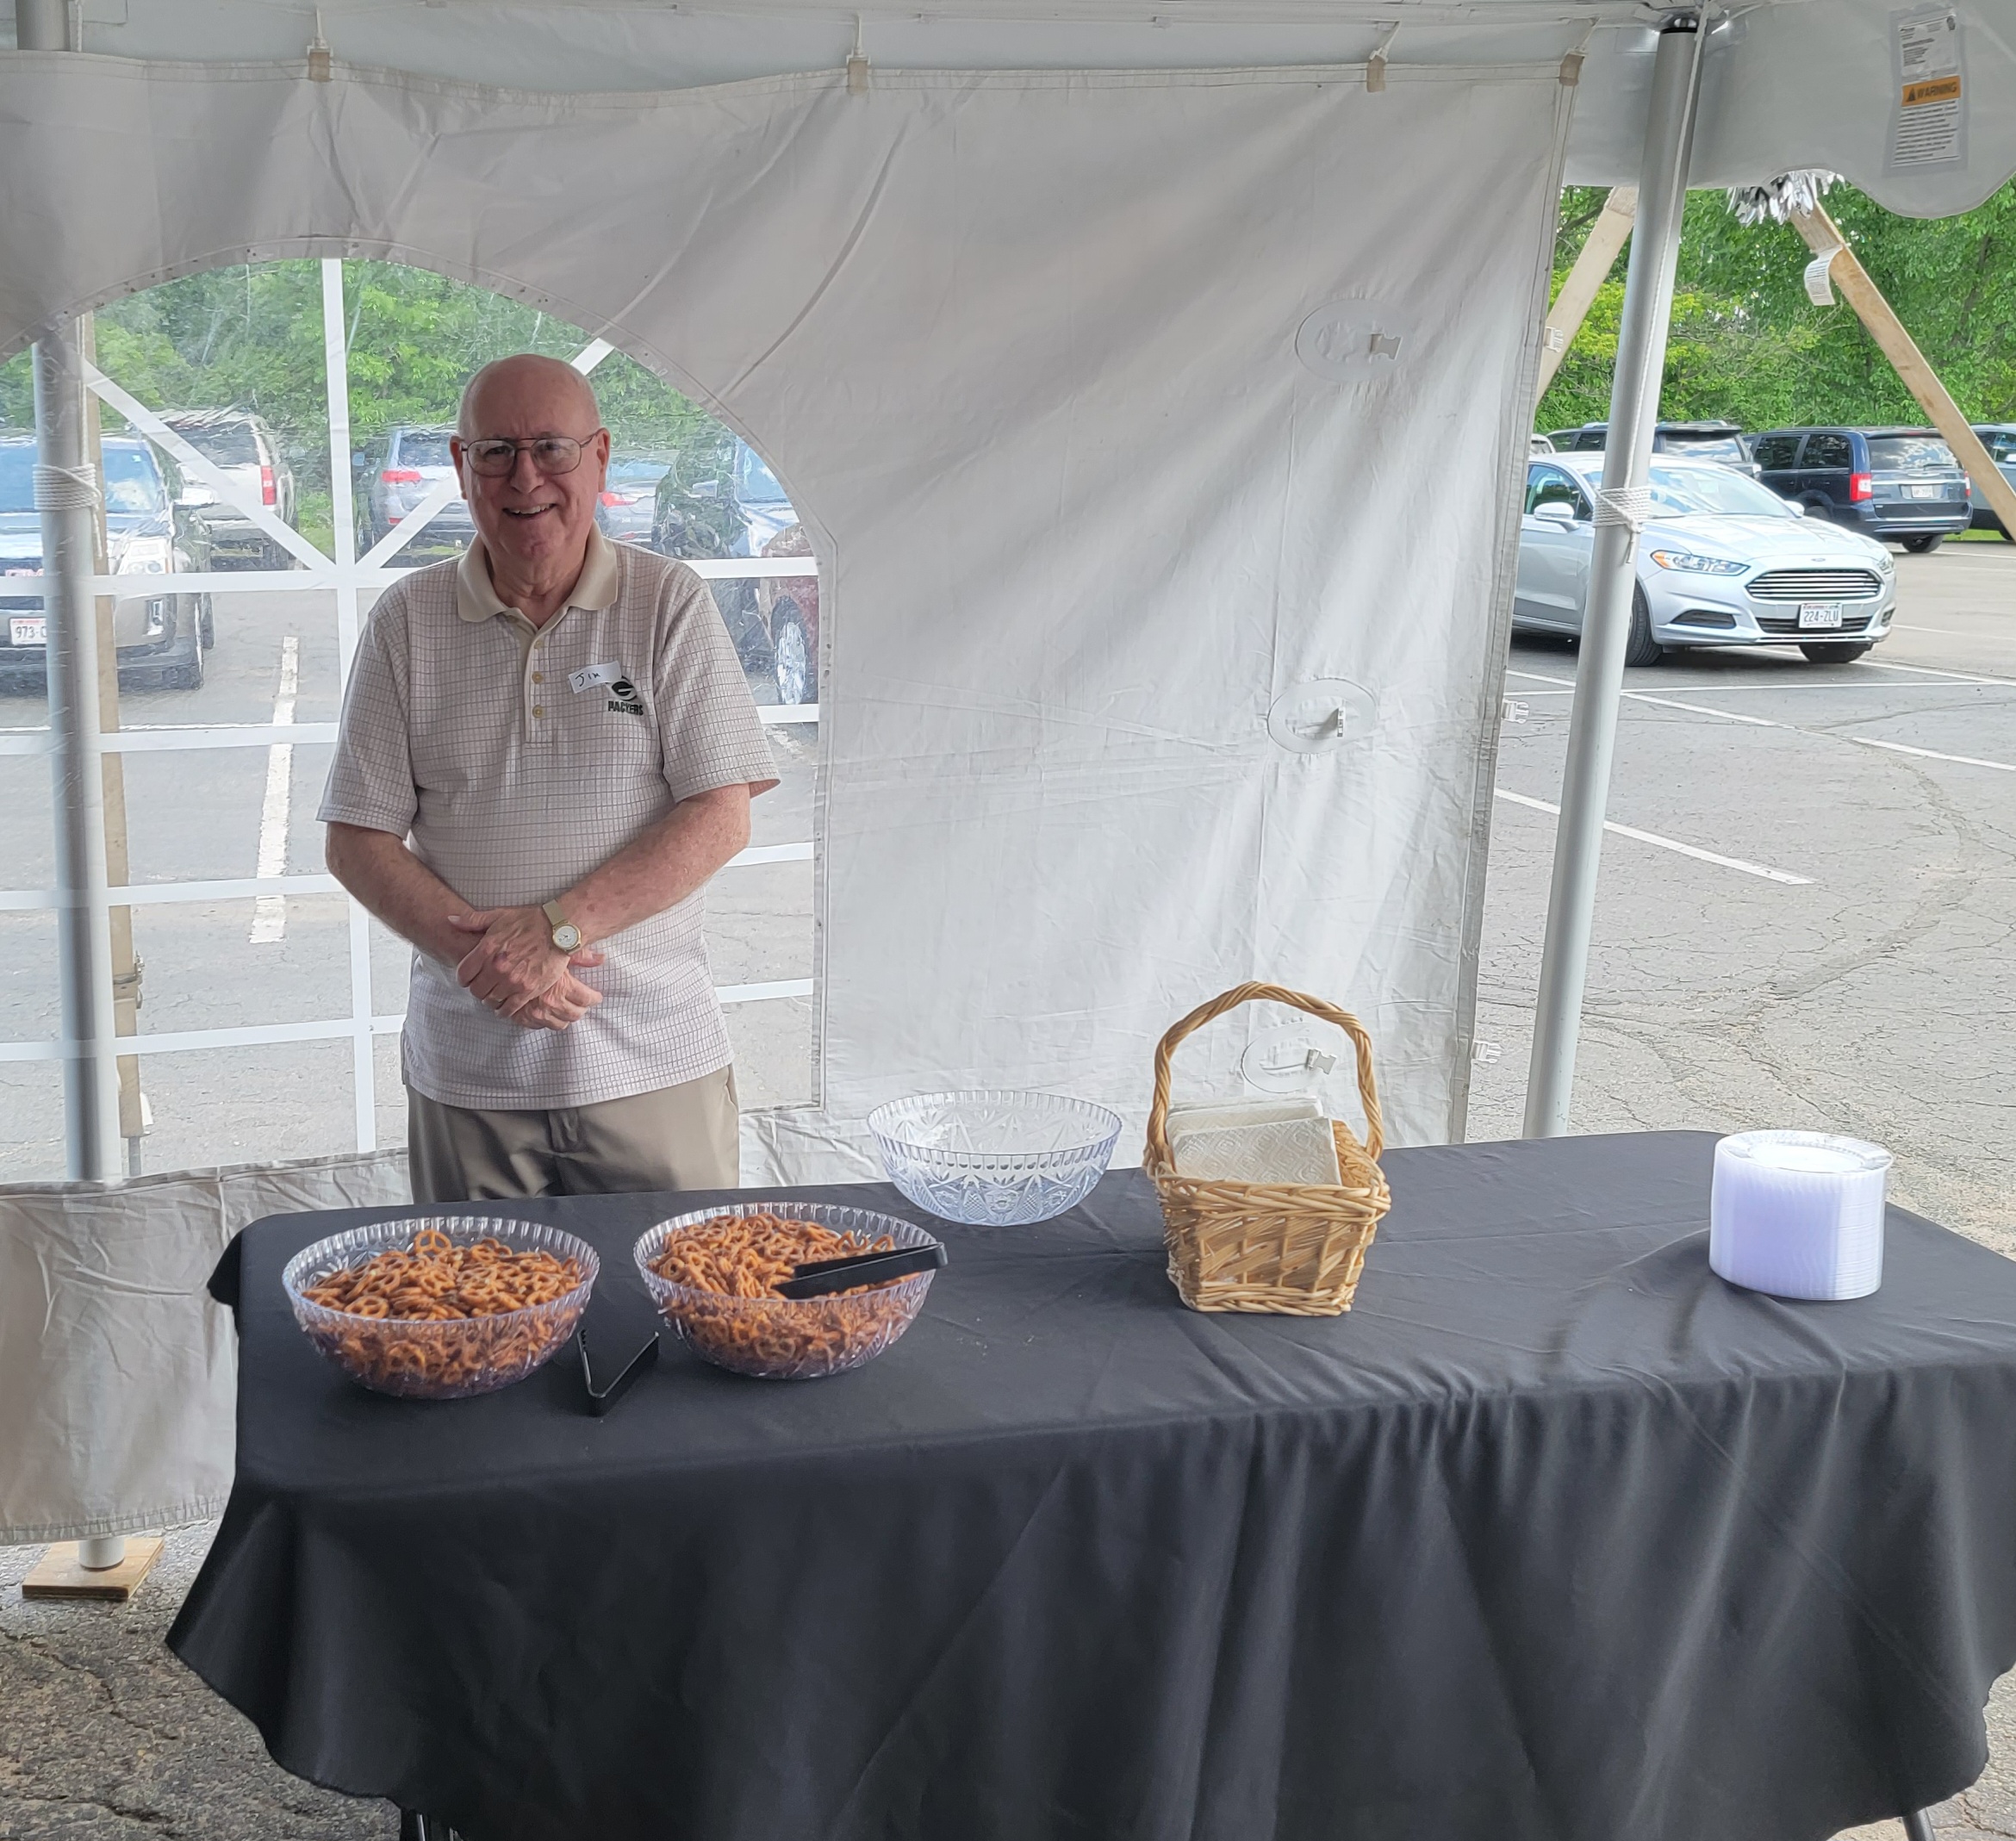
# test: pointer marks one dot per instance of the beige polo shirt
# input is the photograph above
(517, 759)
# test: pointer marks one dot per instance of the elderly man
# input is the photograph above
(546, 751)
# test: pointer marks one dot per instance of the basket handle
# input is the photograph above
(1368, 1093)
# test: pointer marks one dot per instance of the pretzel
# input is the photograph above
(728, 1270)
(394, 1302)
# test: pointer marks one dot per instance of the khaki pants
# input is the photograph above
(680, 1137)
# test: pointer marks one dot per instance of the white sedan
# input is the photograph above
(1722, 561)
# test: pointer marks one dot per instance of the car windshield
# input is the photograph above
(1687, 492)
(637, 472)
(133, 481)
(1710, 447)
(17, 478)
(759, 484)
(229, 444)
(1908, 454)
(424, 447)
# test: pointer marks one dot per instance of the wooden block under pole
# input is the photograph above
(60, 1574)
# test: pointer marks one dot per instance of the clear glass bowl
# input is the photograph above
(789, 1339)
(994, 1158)
(422, 1359)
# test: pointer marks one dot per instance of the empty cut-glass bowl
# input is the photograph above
(790, 1339)
(422, 1358)
(994, 1158)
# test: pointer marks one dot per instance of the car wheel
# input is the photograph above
(188, 674)
(791, 656)
(1924, 546)
(1839, 654)
(1640, 648)
(206, 625)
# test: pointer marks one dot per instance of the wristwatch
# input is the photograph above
(566, 935)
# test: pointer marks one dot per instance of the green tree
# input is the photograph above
(1747, 346)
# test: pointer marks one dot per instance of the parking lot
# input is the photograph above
(1815, 927)
(1812, 929)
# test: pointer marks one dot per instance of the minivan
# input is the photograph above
(1900, 485)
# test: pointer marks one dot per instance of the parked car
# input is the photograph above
(1539, 444)
(1717, 441)
(1901, 484)
(738, 509)
(240, 445)
(1999, 439)
(394, 471)
(630, 498)
(1720, 561)
(161, 637)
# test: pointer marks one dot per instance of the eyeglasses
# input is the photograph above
(494, 456)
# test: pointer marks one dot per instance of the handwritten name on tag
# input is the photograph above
(591, 675)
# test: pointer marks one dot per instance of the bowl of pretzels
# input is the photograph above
(715, 1275)
(441, 1306)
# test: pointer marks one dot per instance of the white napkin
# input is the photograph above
(1300, 1148)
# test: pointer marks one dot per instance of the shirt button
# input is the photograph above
(538, 677)
(538, 709)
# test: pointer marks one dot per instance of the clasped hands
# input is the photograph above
(515, 968)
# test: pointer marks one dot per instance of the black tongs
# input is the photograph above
(818, 1277)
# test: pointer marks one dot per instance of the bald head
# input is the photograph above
(546, 396)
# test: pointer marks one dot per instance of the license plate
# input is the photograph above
(1818, 614)
(1924, 492)
(28, 629)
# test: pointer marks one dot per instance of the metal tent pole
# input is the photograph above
(65, 491)
(1613, 573)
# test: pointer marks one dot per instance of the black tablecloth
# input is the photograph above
(1554, 1535)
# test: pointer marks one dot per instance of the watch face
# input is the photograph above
(567, 936)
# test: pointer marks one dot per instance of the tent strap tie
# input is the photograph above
(1629, 506)
(64, 488)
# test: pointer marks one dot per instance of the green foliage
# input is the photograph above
(1748, 346)
(251, 336)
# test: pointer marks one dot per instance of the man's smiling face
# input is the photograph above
(532, 523)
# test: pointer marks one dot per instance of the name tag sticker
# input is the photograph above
(591, 675)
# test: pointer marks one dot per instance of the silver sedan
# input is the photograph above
(1722, 561)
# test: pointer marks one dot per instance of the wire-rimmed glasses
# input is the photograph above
(494, 456)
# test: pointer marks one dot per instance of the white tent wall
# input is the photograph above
(1024, 348)
(118, 1373)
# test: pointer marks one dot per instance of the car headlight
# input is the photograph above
(1886, 563)
(144, 555)
(1697, 565)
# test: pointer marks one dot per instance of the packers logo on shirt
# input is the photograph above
(623, 698)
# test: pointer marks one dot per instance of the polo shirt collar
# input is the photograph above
(476, 597)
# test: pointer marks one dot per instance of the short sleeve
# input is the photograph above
(371, 780)
(709, 730)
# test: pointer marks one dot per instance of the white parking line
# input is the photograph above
(1666, 844)
(1664, 703)
(270, 911)
(1930, 671)
(1928, 753)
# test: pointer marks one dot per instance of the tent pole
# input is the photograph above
(1613, 573)
(67, 495)
(65, 489)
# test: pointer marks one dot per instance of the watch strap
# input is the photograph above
(551, 911)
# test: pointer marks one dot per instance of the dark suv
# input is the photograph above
(1722, 442)
(1899, 485)
(161, 635)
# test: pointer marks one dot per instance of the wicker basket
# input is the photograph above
(1289, 1249)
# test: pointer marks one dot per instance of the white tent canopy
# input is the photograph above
(1788, 84)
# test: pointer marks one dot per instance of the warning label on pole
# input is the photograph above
(1929, 127)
